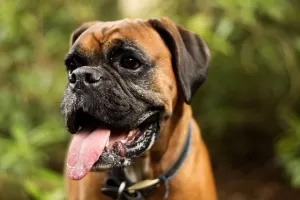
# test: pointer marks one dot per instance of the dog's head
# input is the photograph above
(124, 79)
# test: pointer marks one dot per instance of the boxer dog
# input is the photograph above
(127, 99)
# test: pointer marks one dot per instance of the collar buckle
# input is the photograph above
(142, 184)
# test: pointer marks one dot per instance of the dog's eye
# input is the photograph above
(71, 66)
(73, 61)
(129, 62)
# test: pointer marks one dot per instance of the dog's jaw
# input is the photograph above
(110, 159)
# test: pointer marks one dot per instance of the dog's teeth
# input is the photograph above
(123, 141)
(107, 143)
(131, 133)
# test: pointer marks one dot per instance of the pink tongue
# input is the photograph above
(85, 149)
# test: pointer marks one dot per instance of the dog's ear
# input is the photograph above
(190, 55)
(80, 30)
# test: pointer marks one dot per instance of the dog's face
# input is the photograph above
(124, 80)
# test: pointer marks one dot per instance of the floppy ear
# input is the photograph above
(80, 30)
(190, 55)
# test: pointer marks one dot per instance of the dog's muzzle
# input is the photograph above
(84, 78)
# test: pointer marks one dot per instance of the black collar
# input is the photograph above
(118, 187)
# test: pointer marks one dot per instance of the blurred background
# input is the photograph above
(248, 108)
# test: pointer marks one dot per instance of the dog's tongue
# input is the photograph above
(85, 149)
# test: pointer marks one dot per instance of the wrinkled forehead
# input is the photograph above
(102, 35)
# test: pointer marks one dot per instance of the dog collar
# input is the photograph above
(117, 186)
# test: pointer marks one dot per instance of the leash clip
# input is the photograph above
(142, 184)
(121, 190)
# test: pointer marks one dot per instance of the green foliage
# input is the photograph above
(251, 94)
(34, 38)
(288, 149)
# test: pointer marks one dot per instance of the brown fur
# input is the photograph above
(194, 180)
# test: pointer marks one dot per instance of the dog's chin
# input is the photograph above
(123, 146)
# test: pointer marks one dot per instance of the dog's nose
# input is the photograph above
(83, 77)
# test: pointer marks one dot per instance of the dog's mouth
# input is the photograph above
(95, 147)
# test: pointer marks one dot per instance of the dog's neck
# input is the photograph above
(166, 149)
